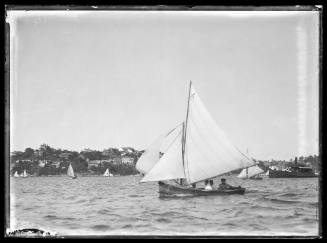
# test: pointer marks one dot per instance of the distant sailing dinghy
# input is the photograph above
(70, 172)
(107, 173)
(16, 174)
(24, 174)
(251, 173)
(199, 151)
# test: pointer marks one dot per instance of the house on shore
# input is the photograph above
(93, 163)
(127, 160)
(117, 160)
(42, 163)
(56, 163)
(65, 155)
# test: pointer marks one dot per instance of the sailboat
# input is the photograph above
(107, 173)
(16, 174)
(70, 172)
(267, 173)
(24, 174)
(199, 151)
(251, 173)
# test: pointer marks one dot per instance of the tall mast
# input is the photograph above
(185, 126)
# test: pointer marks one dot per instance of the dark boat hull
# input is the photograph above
(256, 178)
(169, 189)
(287, 174)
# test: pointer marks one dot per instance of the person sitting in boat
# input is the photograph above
(193, 185)
(207, 187)
(224, 185)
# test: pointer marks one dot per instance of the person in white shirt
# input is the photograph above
(208, 187)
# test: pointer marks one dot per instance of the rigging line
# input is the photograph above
(174, 129)
(170, 131)
(165, 135)
(245, 156)
(173, 140)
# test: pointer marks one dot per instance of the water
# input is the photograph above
(120, 205)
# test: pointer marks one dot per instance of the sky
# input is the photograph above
(100, 79)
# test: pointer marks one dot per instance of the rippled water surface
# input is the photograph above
(121, 205)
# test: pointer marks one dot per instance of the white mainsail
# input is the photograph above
(170, 166)
(249, 172)
(16, 174)
(267, 173)
(106, 173)
(208, 151)
(152, 155)
(70, 171)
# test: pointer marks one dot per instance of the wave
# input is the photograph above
(266, 207)
(81, 201)
(133, 195)
(100, 227)
(163, 220)
(49, 216)
(68, 218)
(103, 211)
(282, 201)
(126, 226)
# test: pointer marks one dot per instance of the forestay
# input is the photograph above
(250, 172)
(170, 166)
(208, 151)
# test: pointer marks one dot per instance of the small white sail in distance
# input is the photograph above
(24, 174)
(70, 171)
(106, 173)
(250, 172)
(16, 174)
(267, 173)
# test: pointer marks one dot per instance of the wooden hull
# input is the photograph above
(287, 174)
(171, 190)
(256, 178)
